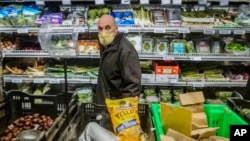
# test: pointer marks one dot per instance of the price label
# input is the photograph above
(39, 81)
(209, 31)
(22, 30)
(124, 30)
(79, 29)
(224, 2)
(195, 58)
(94, 81)
(165, 57)
(125, 2)
(173, 80)
(17, 81)
(66, 2)
(202, 2)
(159, 30)
(40, 2)
(54, 81)
(225, 32)
(163, 2)
(198, 84)
(239, 32)
(177, 2)
(144, 1)
(184, 30)
(99, 2)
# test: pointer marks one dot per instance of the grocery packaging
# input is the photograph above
(174, 17)
(123, 18)
(147, 45)
(161, 46)
(178, 46)
(88, 47)
(136, 40)
(126, 126)
(159, 17)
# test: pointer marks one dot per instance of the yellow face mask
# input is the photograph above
(106, 38)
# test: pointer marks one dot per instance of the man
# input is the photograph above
(119, 75)
(119, 69)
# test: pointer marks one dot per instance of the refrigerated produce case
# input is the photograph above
(56, 34)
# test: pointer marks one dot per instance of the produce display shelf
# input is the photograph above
(25, 53)
(108, 0)
(23, 29)
(151, 56)
(57, 80)
(126, 29)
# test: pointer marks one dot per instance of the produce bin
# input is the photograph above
(218, 116)
(240, 106)
(19, 104)
(89, 111)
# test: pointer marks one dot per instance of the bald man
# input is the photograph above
(119, 76)
(119, 69)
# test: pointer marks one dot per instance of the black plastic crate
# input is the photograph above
(237, 104)
(19, 104)
(89, 112)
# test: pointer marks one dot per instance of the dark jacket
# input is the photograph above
(119, 71)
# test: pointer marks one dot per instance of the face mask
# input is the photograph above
(106, 38)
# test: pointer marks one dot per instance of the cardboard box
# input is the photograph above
(194, 102)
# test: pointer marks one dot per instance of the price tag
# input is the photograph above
(124, 30)
(202, 2)
(198, 84)
(54, 81)
(173, 80)
(39, 81)
(22, 30)
(66, 2)
(224, 2)
(94, 81)
(86, 79)
(163, 2)
(159, 30)
(195, 58)
(40, 2)
(79, 29)
(177, 2)
(144, 1)
(17, 81)
(99, 2)
(225, 32)
(165, 57)
(125, 2)
(239, 32)
(209, 31)
(184, 30)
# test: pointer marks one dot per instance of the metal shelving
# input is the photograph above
(57, 80)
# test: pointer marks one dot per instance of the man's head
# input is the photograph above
(107, 24)
(107, 29)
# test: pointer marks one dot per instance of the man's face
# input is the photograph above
(107, 25)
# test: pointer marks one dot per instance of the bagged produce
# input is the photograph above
(125, 118)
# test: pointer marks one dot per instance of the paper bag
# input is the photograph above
(203, 133)
(216, 138)
(176, 118)
(178, 136)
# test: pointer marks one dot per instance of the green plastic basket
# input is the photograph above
(218, 116)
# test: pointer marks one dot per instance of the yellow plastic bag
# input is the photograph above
(125, 118)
